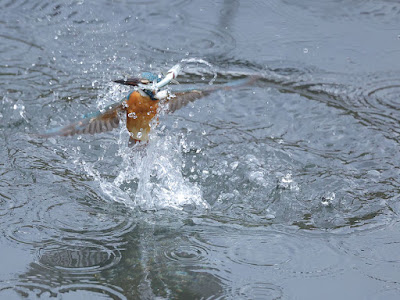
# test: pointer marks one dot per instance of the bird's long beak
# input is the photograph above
(129, 81)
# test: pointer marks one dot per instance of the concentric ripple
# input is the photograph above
(18, 290)
(187, 254)
(376, 253)
(386, 93)
(31, 234)
(373, 99)
(286, 253)
(207, 39)
(379, 249)
(21, 289)
(53, 220)
(11, 197)
(85, 259)
(73, 291)
(259, 291)
(73, 218)
(261, 250)
(292, 179)
(7, 203)
(376, 102)
(373, 11)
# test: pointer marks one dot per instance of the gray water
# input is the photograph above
(288, 189)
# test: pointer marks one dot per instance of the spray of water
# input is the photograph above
(148, 176)
(196, 61)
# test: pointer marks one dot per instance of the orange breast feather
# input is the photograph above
(139, 114)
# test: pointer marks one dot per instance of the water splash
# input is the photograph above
(12, 111)
(157, 168)
(197, 61)
(149, 176)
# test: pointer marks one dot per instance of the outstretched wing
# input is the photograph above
(183, 97)
(108, 120)
(93, 123)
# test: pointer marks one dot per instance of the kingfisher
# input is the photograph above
(142, 105)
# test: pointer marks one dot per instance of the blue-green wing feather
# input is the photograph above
(91, 123)
(183, 96)
(108, 120)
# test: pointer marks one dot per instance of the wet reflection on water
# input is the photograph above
(285, 189)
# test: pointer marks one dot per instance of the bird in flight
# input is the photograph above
(142, 105)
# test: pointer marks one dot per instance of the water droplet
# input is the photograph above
(234, 165)
(374, 173)
(132, 115)
(305, 50)
(287, 182)
(287, 178)
(191, 114)
(327, 200)
(257, 177)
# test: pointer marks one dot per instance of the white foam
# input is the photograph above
(150, 176)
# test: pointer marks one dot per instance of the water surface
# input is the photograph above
(288, 189)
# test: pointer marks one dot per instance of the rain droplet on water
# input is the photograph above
(327, 200)
(234, 165)
(20, 107)
(287, 182)
(257, 177)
